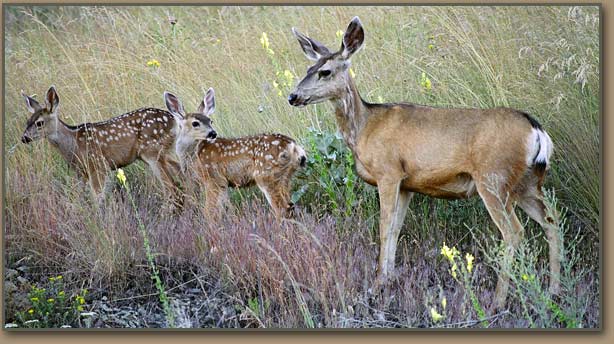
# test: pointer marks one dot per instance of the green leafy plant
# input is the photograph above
(51, 307)
(329, 176)
(155, 275)
(462, 271)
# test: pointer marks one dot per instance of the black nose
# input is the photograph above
(26, 139)
(212, 134)
(292, 98)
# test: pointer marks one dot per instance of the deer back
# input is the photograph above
(145, 133)
(240, 160)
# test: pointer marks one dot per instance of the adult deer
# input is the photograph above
(267, 160)
(93, 149)
(500, 154)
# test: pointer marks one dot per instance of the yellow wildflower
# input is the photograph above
(435, 315)
(449, 253)
(121, 176)
(425, 81)
(61, 293)
(279, 93)
(275, 84)
(153, 63)
(431, 47)
(81, 300)
(52, 279)
(352, 74)
(30, 311)
(50, 300)
(264, 40)
(444, 303)
(339, 33)
(470, 259)
(453, 270)
(526, 277)
(80, 308)
(289, 76)
(59, 277)
(34, 299)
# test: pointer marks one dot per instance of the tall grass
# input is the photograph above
(544, 60)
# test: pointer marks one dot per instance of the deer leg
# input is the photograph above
(389, 205)
(97, 181)
(501, 210)
(159, 170)
(282, 197)
(286, 198)
(271, 195)
(393, 240)
(534, 206)
(168, 171)
(215, 200)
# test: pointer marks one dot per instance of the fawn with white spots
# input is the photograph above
(94, 149)
(268, 160)
(499, 154)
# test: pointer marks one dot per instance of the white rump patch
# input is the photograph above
(539, 147)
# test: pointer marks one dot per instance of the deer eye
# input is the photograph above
(323, 74)
(39, 124)
(195, 124)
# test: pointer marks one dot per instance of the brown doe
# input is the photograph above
(500, 154)
(267, 160)
(93, 149)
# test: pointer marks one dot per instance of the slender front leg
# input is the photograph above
(393, 239)
(388, 200)
(97, 180)
(216, 197)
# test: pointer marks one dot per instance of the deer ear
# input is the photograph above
(173, 104)
(31, 103)
(313, 49)
(201, 107)
(52, 100)
(209, 102)
(353, 38)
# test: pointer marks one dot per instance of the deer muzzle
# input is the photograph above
(212, 135)
(26, 139)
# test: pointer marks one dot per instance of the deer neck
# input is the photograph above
(351, 113)
(64, 138)
(185, 150)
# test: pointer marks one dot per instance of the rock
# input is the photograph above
(9, 287)
(11, 273)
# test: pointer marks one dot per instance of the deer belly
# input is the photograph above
(458, 186)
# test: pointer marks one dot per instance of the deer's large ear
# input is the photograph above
(52, 100)
(209, 102)
(31, 103)
(173, 104)
(353, 38)
(313, 49)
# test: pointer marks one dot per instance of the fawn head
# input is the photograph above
(194, 126)
(44, 120)
(328, 77)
